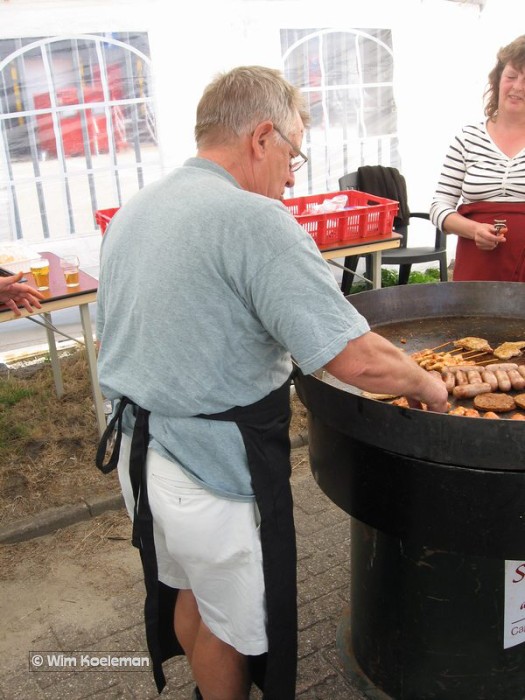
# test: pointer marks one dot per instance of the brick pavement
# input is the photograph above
(323, 539)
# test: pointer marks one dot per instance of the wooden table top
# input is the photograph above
(334, 246)
(58, 292)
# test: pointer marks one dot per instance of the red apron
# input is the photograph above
(506, 263)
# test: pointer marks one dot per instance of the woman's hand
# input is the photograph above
(14, 294)
(487, 236)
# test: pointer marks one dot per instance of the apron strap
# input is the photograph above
(142, 533)
(143, 539)
(112, 462)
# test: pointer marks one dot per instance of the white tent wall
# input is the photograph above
(443, 52)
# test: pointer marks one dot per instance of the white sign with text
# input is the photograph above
(514, 632)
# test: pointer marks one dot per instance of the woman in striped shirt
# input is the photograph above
(485, 169)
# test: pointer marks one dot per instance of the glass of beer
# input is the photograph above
(40, 271)
(69, 265)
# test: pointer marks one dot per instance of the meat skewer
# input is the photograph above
(469, 356)
(459, 368)
(438, 347)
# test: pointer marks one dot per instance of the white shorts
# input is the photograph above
(207, 544)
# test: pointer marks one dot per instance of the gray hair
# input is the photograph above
(235, 102)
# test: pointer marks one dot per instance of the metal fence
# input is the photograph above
(347, 78)
(77, 130)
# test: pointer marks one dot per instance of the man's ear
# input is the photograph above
(260, 137)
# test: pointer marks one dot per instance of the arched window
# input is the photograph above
(347, 78)
(77, 131)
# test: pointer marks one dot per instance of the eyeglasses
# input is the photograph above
(298, 160)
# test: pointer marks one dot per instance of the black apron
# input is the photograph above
(264, 427)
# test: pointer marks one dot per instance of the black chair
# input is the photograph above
(405, 256)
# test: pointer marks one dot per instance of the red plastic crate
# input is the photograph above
(365, 216)
(104, 216)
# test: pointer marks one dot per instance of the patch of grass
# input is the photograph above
(47, 443)
(10, 393)
(11, 429)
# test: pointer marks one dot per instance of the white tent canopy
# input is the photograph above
(442, 54)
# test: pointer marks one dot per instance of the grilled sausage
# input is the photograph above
(517, 381)
(450, 381)
(461, 378)
(468, 391)
(490, 378)
(474, 377)
(521, 370)
(505, 366)
(504, 383)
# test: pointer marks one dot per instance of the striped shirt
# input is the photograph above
(476, 170)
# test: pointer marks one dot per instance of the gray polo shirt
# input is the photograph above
(206, 291)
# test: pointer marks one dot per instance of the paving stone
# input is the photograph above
(328, 607)
(336, 531)
(314, 587)
(312, 671)
(317, 637)
(70, 637)
(80, 685)
(331, 688)
(22, 686)
(305, 548)
(314, 526)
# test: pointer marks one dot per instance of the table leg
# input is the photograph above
(53, 356)
(92, 365)
(376, 270)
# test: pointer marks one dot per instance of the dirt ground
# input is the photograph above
(53, 583)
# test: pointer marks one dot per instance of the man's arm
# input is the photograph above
(373, 364)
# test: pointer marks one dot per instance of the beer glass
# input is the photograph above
(69, 265)
(40, 271)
